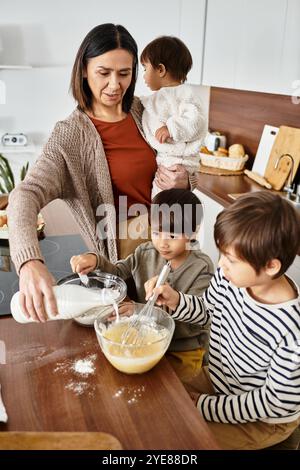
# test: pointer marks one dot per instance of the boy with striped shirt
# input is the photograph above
(250, 393)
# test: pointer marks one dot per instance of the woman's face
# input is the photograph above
(109, 76)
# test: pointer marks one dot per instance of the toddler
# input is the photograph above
(173, 119)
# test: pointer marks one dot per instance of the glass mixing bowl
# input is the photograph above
(135, 358)
(97, 280)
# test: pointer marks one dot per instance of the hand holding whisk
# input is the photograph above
(134, 332)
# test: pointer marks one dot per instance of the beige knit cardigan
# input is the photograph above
(72, 167)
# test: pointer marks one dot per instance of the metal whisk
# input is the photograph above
(134, 333)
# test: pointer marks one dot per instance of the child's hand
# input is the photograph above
(166, 295)
(125, 308)
(83, 264)
(163, 135)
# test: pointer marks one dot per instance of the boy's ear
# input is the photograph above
(162, 70)
(273, 267)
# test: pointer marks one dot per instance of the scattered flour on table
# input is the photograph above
(80, 368)
(130, 394)
(86, 366)
(77, 387)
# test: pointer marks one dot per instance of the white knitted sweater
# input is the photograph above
(181, 110)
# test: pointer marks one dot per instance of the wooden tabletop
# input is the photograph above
(43, 392)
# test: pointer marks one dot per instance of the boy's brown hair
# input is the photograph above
(260, 226)
(172, 53)
(176, 211)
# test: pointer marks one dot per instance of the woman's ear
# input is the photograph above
(273, 267)
(162, 70)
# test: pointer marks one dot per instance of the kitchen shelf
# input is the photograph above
(31, 67)
(19, 148)
(15, 67)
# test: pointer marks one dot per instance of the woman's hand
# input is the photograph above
(35, 289)
(166, 295)
(176, 176)
(83, 264)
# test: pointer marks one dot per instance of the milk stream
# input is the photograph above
(72, 301)
(116, 309)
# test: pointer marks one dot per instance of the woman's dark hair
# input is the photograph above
(260, 226)
(101, 39)
(176, 211)
(172, 53)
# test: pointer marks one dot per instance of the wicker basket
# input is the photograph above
(227, 163)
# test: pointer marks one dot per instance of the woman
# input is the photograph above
(95, 155)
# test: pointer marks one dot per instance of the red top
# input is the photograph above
(131, 160)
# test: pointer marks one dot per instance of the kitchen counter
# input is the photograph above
(44, 390)
(218, 187)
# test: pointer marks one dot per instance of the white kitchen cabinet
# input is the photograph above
(191, 31)
(206, 233)
(252, 45)
(37, 33)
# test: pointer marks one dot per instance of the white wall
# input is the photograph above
(47, 35)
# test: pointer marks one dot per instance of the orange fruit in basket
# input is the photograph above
(3, 220)
(205, 150)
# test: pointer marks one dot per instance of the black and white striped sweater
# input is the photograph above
(254, 354)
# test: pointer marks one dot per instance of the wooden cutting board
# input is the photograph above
(287, 142)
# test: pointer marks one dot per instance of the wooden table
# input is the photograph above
(42, 391)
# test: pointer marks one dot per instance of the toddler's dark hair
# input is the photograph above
(172, 53)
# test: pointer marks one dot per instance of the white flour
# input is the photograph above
(130, 394)
(82, 369)
(85, 366)
(77, 387)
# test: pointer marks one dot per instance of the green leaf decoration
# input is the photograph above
(8, 170)
(7, 180)
(24, 171)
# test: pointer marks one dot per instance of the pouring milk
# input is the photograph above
(72, 301)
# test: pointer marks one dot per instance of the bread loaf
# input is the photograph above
(236, 151)
(218, 153)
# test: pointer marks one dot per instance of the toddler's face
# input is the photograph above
(239, 272)
(151, 76)
(170, 246)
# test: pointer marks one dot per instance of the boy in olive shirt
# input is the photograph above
(176, 215)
